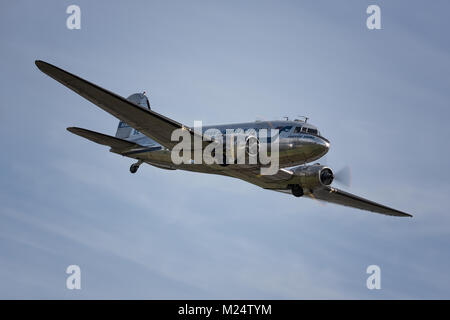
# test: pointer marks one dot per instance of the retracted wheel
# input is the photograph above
(297, 191)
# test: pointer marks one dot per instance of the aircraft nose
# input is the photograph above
(323, 146)
(327, 145)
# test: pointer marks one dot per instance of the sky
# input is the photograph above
(380, 96)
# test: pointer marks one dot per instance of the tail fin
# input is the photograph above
(124, 131)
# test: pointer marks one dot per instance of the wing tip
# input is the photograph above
(406, 215)
(402, 214)
(45, 67)
(76, 130)
(397, 213)
(40, 64)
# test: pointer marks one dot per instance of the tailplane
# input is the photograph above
(116, 144)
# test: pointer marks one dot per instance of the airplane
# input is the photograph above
(145, 135)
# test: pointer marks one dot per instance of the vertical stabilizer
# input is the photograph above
(124, 130)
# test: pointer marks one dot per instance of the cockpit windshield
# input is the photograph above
(284, 128)
(297, 129)
(301, 129)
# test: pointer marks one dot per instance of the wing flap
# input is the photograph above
(150, 123)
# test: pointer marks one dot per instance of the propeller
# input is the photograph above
(344, 176)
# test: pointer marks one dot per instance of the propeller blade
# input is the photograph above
(344, 176)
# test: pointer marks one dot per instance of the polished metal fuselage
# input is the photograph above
(295, 148)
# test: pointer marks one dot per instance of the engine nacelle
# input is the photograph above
(311, 177)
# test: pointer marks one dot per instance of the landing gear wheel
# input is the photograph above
(297, 191)
(134, 168)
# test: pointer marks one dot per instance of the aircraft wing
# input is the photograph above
(279, 181)
(337, 196)
(333, 195)
(150, 123)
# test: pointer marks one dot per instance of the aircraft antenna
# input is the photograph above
(305, 118)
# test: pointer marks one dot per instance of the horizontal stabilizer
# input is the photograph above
(104, 139)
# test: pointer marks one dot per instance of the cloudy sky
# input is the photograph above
(381, 97)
